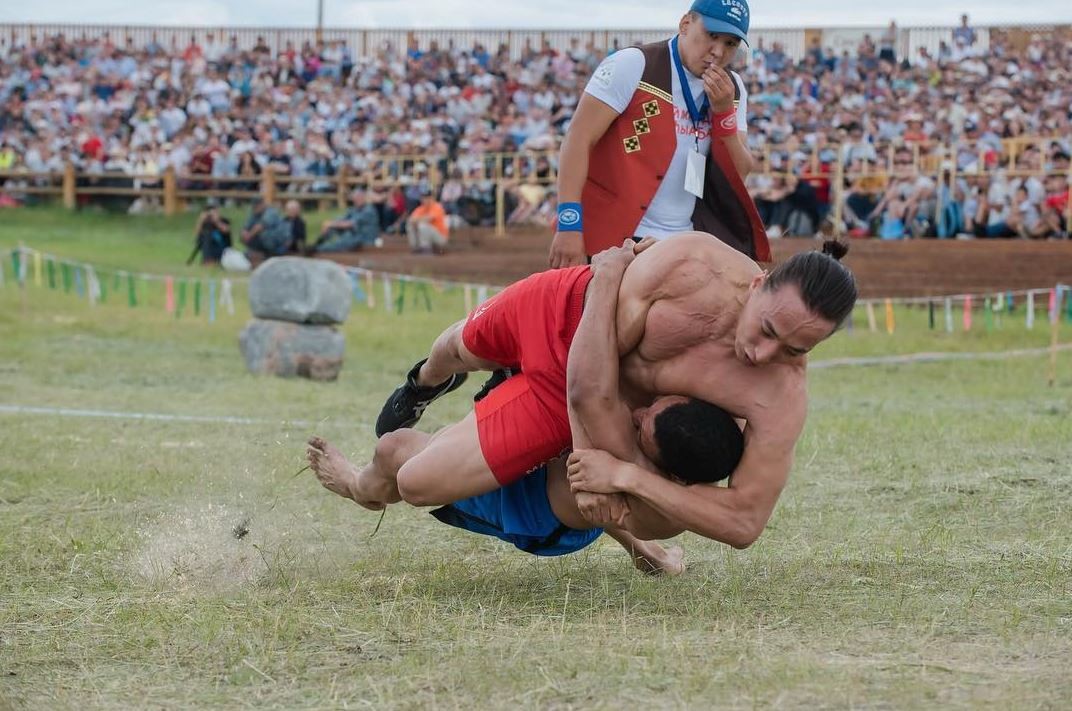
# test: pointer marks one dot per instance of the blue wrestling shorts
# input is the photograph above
(521, 515)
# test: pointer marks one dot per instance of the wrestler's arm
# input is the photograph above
(735, 514)
(598, 417)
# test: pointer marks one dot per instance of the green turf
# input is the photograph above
(919, 557)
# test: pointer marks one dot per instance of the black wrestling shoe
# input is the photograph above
(498, 377)
(406, 404)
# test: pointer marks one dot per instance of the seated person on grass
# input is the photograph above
(292, 211)
(266, 230)
(213, 234)
(427, 226)
(358, 228)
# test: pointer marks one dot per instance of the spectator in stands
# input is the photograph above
(1025, 218)
(856, 147)
(266, 230)
(964, 39)
(322, 166)
(995, 209)
(292, 214)
(357, 229)
(279, 161)
(248, 167)
(862, 198)
(529, 197)
(888, 44)
(1055, 206)
(427, 226)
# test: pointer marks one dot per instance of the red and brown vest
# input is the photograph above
(629, 162)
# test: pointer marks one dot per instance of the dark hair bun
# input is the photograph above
(835, 249)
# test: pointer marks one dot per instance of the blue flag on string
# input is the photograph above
(355, 288)
(212, 301)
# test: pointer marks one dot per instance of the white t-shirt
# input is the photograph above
(614, 83)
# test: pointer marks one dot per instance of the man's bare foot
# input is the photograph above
(652, 559)
(335, 472)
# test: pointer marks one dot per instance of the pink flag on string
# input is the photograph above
(1053, 306)
(967, 312)
(169, 295)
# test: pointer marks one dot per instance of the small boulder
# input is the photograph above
(292, 350)
(300, 290)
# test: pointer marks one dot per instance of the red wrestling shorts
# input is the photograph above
(523, 422)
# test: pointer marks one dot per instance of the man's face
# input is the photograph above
(776, 326)
(644, 421)
(358, 199)
(700, 48)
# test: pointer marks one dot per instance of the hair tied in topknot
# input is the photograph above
(835, 249)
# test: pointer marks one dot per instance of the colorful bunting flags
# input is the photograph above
(90, 282)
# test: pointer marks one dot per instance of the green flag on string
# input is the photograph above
(15, 262)
(102, 284)
(400, 302)
(423, 288)
(988, 314)
(66, 272)
(182, 299)
(132, 294)
(197, 298)
(51, 274)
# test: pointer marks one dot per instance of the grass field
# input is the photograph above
(919, 558)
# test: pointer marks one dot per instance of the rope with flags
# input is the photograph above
(97, 284)
(91, 282)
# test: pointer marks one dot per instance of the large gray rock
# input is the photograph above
(300, 291)
(291, 349)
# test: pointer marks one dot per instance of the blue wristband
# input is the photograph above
(570, 217)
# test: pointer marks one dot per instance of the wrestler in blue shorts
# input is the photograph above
(520, 514)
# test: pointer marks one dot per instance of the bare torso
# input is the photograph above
(684, 343)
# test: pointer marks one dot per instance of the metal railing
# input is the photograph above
(367, 42)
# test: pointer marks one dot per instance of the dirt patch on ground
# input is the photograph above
(907, 268)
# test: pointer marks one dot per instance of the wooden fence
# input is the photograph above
(172, 190)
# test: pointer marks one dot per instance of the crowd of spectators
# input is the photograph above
(926, 145)
(214, 109)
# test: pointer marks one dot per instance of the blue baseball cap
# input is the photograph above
(728, 17)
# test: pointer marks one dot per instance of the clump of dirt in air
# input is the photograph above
(211, 547)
